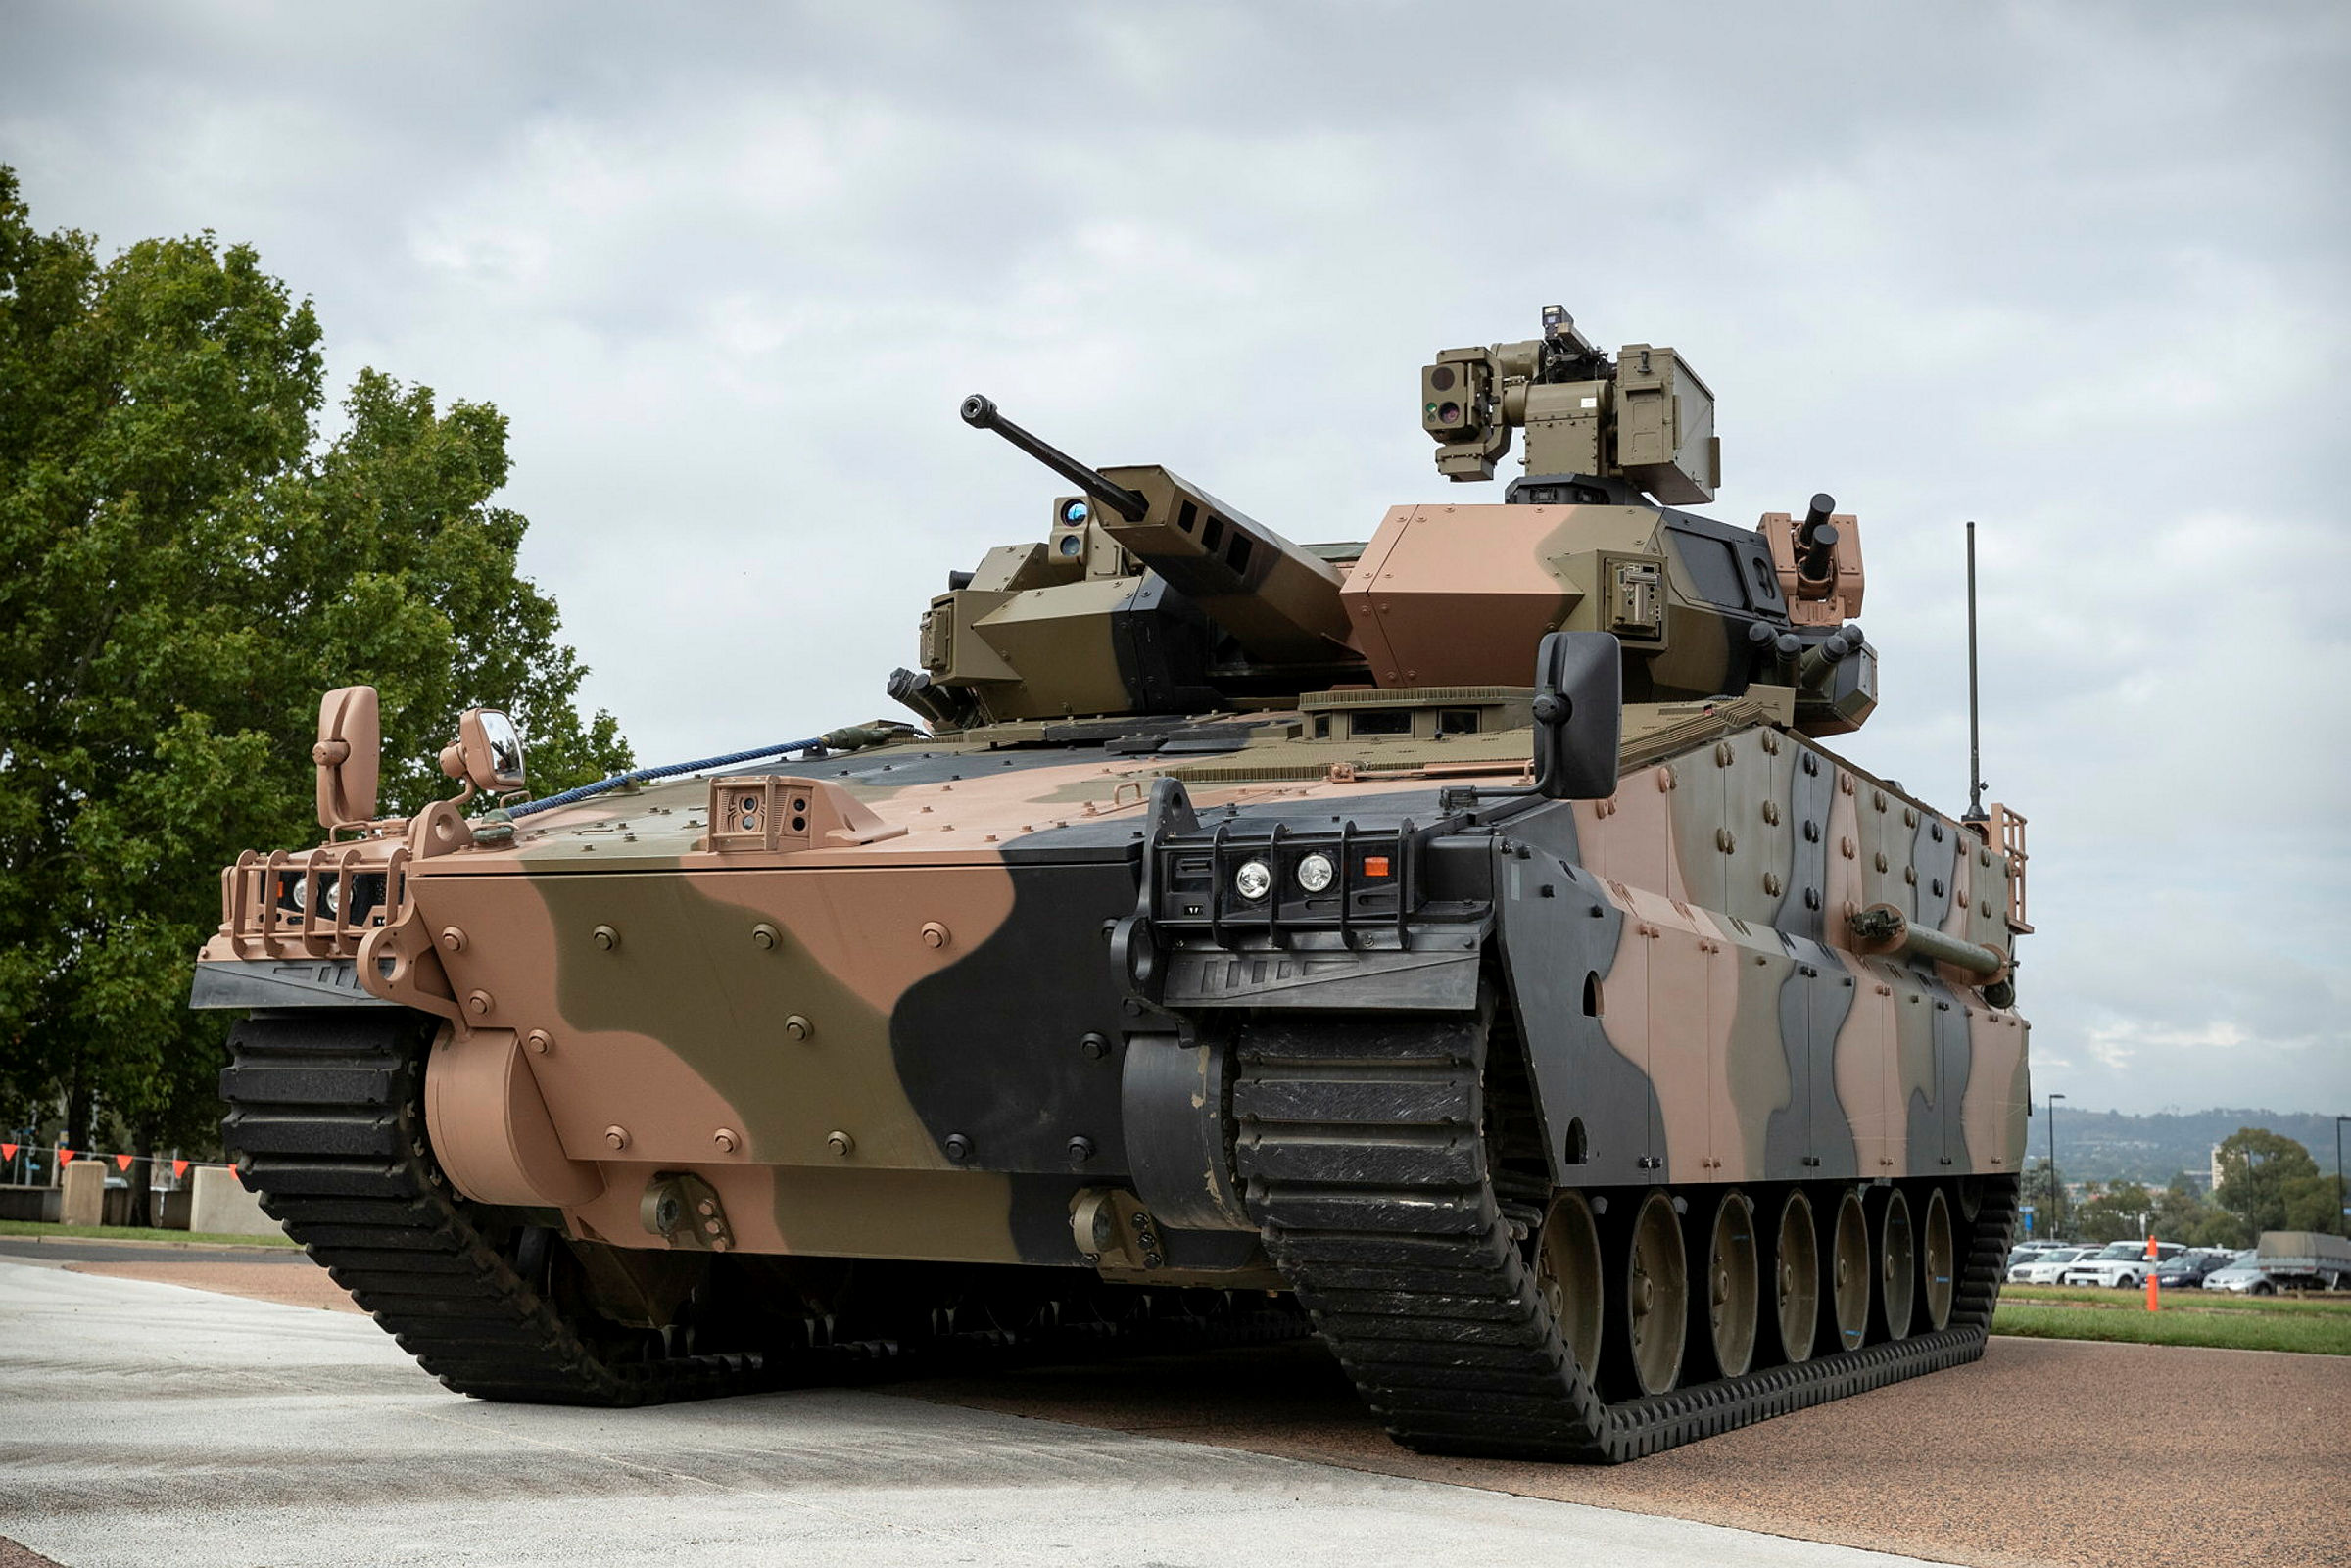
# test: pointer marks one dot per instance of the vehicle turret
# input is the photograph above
(1151, 596)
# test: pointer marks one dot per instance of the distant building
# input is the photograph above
(2216, 1168)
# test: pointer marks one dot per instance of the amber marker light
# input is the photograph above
(1376, 864)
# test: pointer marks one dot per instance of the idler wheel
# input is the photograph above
(1845, 1270)
(1898, 1264)
(1569, 1273)
(1733, 1281)
(1796, 1278)
(1940, 1256)
(1656, 1295)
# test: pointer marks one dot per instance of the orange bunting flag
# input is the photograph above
(122, 1161)
(64, 1157)
(179, 1167)
(8, 1151)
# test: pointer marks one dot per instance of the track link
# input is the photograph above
(326, 1123)
(1361, 1146)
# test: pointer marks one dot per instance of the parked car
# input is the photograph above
(2190, 1267)
(2122, 1265)
(2244, 1276)
(2044, 1270)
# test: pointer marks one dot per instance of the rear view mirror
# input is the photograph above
(489, 751)
(349, 755)
(1579, 715)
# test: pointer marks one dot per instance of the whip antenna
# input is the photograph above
(1975, 734)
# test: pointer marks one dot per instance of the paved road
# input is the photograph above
(146, 1424)
(77, 1250)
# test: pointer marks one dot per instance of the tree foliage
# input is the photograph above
(2040, 1190)
(2269, 1182)
(2116, 1210)
(190, 565)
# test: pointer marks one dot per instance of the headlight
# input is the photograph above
(1315, 872)
(297, 888)
(1253, 880)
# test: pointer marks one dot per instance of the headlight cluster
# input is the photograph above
(1255, 878)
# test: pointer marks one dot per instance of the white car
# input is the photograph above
(2123, 1265)
(2044, 1270)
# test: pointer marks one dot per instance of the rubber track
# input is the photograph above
(326, 1123)
(1360, 1144)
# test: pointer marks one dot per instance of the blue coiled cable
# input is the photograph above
(647, 775)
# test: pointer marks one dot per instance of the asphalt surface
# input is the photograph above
(2045, 1454)
(149, 1424)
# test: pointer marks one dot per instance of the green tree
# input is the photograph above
(2039, 1190)
(2116, 1213)
(2183, 1213)
(189, 568)
(2265, 1181)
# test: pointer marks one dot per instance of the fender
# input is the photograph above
(490, 1127)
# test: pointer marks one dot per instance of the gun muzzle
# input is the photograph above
(981, 415)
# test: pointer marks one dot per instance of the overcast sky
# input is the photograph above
(2075, 271)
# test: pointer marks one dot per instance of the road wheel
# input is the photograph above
(1571, 1278)
(1940, 1257)
(1731, 1279)
(1656, 1295)
(2263, 1288)
(1898, 1264)
(1796, 1278)
(1845, 1270)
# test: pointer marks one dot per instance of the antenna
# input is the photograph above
(1975, 734)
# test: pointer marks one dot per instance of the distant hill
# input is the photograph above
(2110, 1146)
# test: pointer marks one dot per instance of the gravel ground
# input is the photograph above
(2045, 1452)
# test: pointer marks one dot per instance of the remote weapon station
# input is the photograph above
(1460, 944)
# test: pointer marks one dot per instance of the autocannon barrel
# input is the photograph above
(981, 415)
(1280, 603)
(1883, 929)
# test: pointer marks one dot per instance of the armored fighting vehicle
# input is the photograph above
(1460, 944)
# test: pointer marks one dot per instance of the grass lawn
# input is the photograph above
(2316, 1326)
(33, 1227)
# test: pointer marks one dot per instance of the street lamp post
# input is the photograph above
(2056, 1193)
(2343, 1225)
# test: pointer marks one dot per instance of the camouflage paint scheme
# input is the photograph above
(883, 1036)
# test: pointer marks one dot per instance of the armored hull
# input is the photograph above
(1596, 1063)
(901, 1067)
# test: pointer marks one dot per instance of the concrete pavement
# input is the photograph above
(146, 1424)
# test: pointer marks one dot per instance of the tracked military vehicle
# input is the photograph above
(1460, 944)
